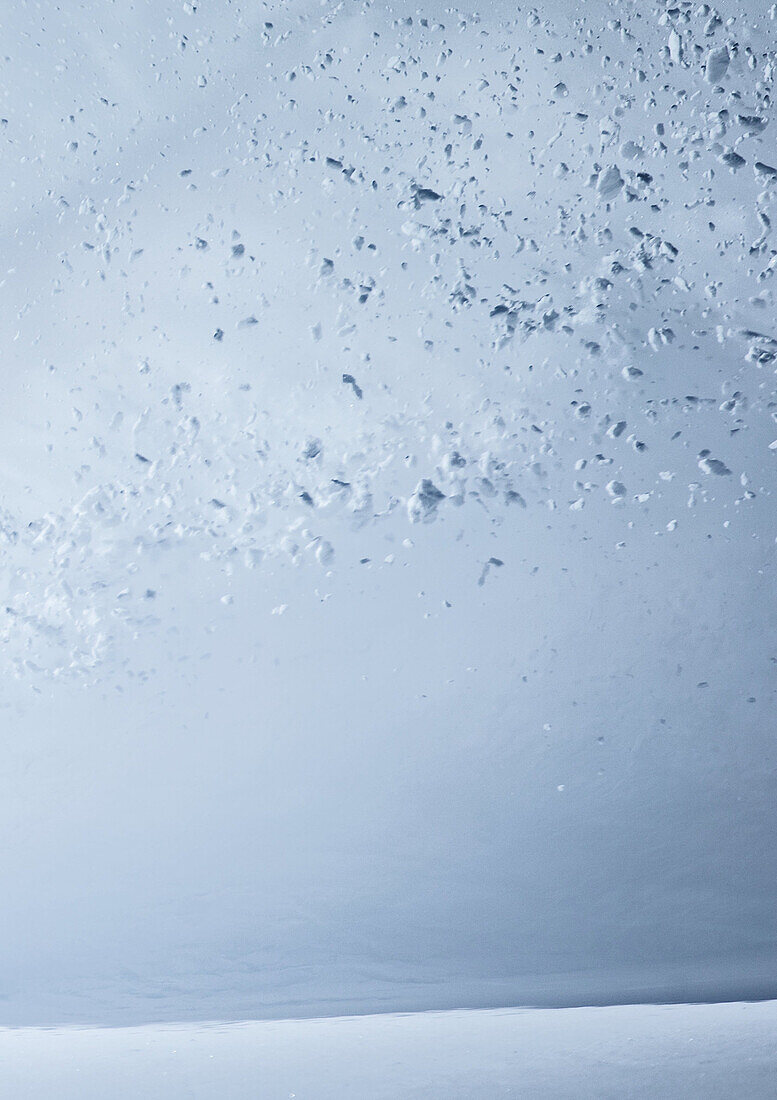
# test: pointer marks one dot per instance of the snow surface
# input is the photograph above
(701, 1052)
(387, 535)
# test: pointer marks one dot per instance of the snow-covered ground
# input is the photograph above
(695, 1052)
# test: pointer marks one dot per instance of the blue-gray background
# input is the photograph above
(284, 732)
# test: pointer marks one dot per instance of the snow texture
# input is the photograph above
(702, 1052)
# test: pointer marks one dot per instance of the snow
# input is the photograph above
(717, 65)
(283, 285)
(702, 1052)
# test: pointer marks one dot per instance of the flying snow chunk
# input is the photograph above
(765, 170)
(609, 183)
(732, 159)
(675, 47)
(616, 489)
(717, 65)
(422, 505)
(325, 553)
(713, 465)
